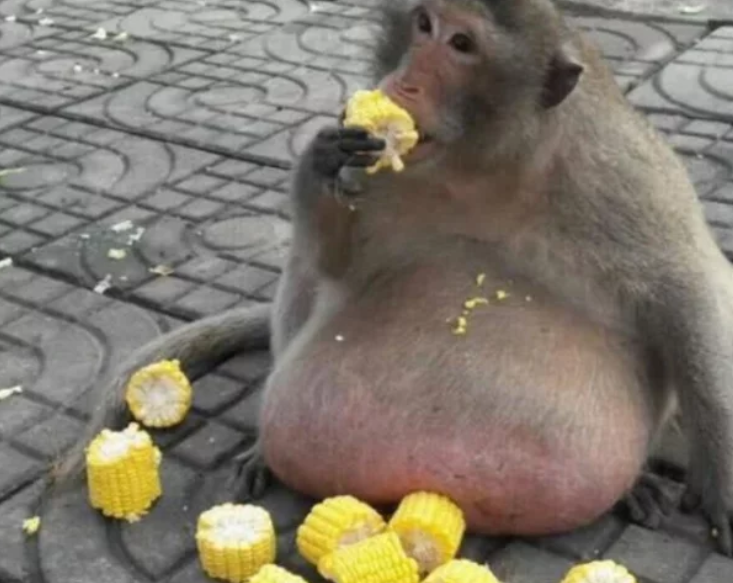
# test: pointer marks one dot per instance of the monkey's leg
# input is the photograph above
(692, 315)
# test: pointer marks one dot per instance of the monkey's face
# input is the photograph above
(433, 77)
(468, 68)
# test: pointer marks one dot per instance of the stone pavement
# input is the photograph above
(167, 151)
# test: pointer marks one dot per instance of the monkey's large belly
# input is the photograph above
(533, 421)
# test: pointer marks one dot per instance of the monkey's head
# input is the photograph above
(474, 72)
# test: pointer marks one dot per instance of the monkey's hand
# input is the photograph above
(336, 148)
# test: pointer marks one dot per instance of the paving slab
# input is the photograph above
(56, 67)
(219, 225)
(691, 10)
(699, 82)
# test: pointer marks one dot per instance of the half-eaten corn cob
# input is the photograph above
(123, 472)
(430, 527)
(334, 523)
(379, 115)
(275, 574)
(599, 572)
(159, 395)
(461, 571)
(235, 541)
(379, 559)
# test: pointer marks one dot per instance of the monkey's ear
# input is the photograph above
(562, 76)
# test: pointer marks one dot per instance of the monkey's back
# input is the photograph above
(513, 419)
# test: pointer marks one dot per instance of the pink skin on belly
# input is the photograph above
(505, 479)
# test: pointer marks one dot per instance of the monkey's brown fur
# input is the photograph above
(620, 303)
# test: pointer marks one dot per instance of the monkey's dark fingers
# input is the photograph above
(691, 501)
(362, 145)
(333, 134)
(362, 160)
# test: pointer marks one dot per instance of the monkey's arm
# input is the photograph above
(199, 345)
(323, 220)
(693, 316)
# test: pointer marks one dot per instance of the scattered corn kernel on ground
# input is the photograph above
(334, 523)
(235, 541)
(123, 472)
(379, 115)
(430, 527)
(159, 395)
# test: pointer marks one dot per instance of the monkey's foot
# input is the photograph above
(651, 500)
(719, 518)
(251, 476)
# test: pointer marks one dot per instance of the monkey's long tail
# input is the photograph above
(199, 345)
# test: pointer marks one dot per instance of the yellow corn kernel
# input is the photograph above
(379, 115)
(159, 395)
(473, 303)
(123, 472)
(430, 527)
(599, 572)
(235, 541)
(461, 571)
(275, 574)
(334, 523)
(31, 525)
(379, 559)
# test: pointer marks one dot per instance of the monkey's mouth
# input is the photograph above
(426, 145)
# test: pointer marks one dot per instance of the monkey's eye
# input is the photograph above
(462, 43)
(423, 22)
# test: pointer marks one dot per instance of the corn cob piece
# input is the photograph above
(334, 523)
(461, 571)
(275, 574)
(430, 527)
(123, 472)
(599, 572)
(159, 395)
(379, 559)
(379, 115)
(235, 541)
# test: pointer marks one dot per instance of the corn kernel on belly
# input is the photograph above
(379, 559)
(599, 572)
(159, 395)
(235, 541)
(431, 528)
(461, 571)
(123, 473)
(336, 522)
(379, 115)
